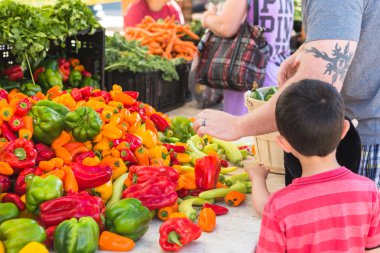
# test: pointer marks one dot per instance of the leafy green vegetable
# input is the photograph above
(129, 55)
(29, 29)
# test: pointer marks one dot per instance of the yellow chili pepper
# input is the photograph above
(105, 191)
(6, 113)
(34, 247)
(24, 133)
(112, 132)
(91, 161)
(5, 169)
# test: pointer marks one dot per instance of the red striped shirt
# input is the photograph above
(335, 211)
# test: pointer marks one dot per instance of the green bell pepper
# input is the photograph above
(49, 64)
(9, 85)
(50, 78)
(73, 236)
(47, 124)
(17, 233)
(129, 218)
(75, 78)
(40, 189)
(60, 108)
(84, 123)
(90, 81)
(182, 128)
(8, 211)
(29, 89)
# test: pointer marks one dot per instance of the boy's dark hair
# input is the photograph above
(310, 115)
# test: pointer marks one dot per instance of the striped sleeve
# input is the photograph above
(373, 239)
(271, 239)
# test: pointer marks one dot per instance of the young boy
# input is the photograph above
(328, 209)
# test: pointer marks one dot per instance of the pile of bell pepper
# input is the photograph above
(62, 72)
(85, 168)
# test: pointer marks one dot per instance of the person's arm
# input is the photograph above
(373, 237)
(260, 193)
(228, 23)
(133, 16)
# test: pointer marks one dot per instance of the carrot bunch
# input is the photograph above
(164, 38)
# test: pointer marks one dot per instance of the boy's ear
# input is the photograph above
(346, 127)
(284, 144)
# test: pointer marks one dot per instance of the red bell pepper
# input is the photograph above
(140, 109)
(91, 176)
(23, 106)
(106, 95)
(5, 183)
(3, 94)
(44, 153)
(175, 148)
(50, 236)
(19, 153)
(13, 73)
(73, 205)
(86, 92)
(76, 94)
(15, 123)
(133, 94)
(128, 156)
(218, 210)
(161, 124)
(37, 72)
(154, 194)
(141, 174)
(80, 157)
(15, 199)
(134, 141)
(64, 68)
(20, 185)
(207, 170)
(7, 133)
(85, 73)
(177, 232)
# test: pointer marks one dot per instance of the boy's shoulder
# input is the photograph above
(290, 193)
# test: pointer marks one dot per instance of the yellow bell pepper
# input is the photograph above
(105, 191)
(34, 247)
(102, 145)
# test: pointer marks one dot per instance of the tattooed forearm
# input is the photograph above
(338, 63)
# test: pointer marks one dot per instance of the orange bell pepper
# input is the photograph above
(6, 113)
(70, 183)
(207, 220)
(5, 169)
(142, 155)
(62, 140)
(113, 242)
(112, 132)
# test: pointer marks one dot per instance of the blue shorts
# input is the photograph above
(370, 163)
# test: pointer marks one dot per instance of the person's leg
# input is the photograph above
(234, 102)
(370, 163)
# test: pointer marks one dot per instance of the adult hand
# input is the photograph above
(205, 15)
(217, 124)
(288, 69)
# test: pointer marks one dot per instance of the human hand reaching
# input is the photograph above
(258, 172)
(288, 69)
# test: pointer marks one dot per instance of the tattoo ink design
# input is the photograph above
(337, 64)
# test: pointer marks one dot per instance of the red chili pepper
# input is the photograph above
(177, 232)
(133, 94)
(15, 123)
(196, 192)
(5, 183)
(23, 106)
(44, 153)
(175, 148)
(141, 174)
(76, 94)
(134, 141)
(7, 133)
(50, 236)
(86, 92)
(154, 194)
(86, 73)
(207, 170)
(13, 73)
(80, 157)
(15, 199)
(223, 163)
(91, 176)
(73, 205)
(128, 156)
(219, 210)
(3, 94)
(20, 154)
(37, 72)
(160, 123)
(20, 185)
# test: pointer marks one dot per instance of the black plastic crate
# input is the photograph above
(90, 52)
(144, 83)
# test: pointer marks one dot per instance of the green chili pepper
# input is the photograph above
(186, 207)
(117, 190)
